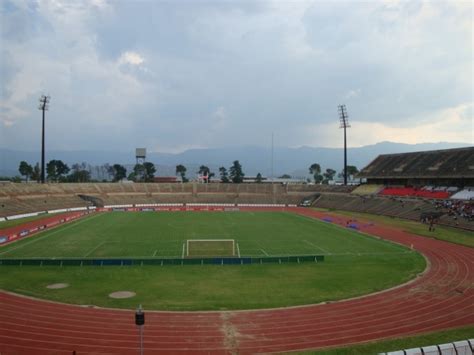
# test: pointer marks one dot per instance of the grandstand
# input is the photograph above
(414, 185)
(449, 167)
(30, 197)
(409, 185)
(21, 204)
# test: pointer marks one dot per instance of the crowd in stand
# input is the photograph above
(457, 208)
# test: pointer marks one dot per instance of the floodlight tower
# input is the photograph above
(43, 106)
(344, 123)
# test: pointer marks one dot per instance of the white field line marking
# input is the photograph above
(384, 253)
(182, 254)
(50, 234)
(264, 252)
(316, 246)
(338, 227)
(238, 250)
(95, 248)
(367, 236)
(154, 254)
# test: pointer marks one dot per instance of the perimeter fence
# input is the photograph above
(161, 261)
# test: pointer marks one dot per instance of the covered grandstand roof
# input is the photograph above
(447, 163)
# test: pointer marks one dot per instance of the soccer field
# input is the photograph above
(355, 264)
(164, 234)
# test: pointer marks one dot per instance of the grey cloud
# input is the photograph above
(269, 68)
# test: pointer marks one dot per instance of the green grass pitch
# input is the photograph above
(355, 264)
(210, 248)
(164, 234)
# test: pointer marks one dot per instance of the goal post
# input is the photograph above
(210, 247)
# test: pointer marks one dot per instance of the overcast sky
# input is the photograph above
(172, 75)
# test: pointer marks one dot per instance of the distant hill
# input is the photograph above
(292, 161)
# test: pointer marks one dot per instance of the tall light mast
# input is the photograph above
(344, 123)
(43, 106)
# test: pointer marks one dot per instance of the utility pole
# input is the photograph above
(272, 159)
(344, 123)
(43, 106)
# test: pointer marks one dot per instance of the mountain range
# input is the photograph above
(254, 159)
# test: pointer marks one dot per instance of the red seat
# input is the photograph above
(410, 191)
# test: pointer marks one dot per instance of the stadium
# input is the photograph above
(255, 217)
(242, 268)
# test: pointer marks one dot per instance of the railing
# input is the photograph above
(463, 347)
(161, 261)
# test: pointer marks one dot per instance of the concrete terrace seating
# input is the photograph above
(320, 188)
(38, 203)
(16, 198)
(407, 208)
(367, 189)
(377, 205)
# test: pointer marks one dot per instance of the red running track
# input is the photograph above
(442, 298)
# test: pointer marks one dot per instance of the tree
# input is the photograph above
(16, 179)
(143, 172)
(56, 169)
(181, 170)
(36, 174)
(285, 176)
(224, 175)
(258, 178)
(117, 172)
(352, 170)
(150, 171)
(236, 173)
(205, 171)
(104, 172)
(138, 173)
(328, 175)
(131, 177)
(110, 172)
(315, 170)
(25, 169)
(80, 173)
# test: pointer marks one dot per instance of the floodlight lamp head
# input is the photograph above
(344, 123)
(44, 101)
(343, 117)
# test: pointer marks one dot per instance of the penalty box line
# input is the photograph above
(94, 248)
(316, 246)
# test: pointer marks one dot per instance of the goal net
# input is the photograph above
(210, 247)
